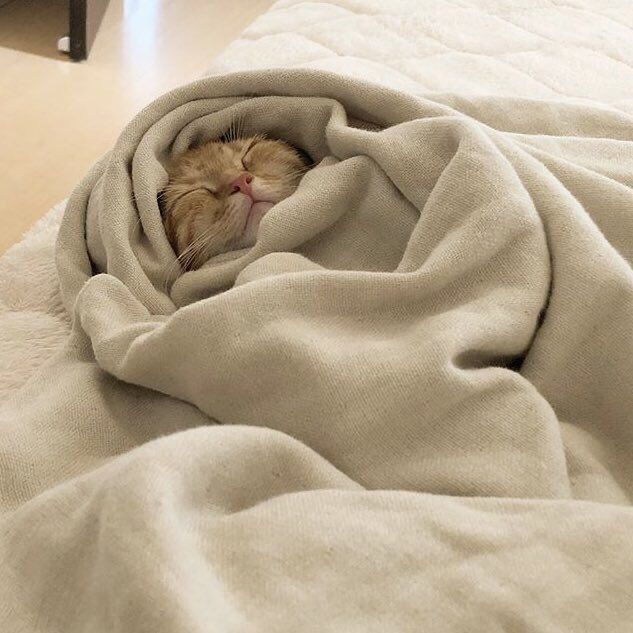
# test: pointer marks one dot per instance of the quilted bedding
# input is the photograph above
(542, 49)
(539, 49)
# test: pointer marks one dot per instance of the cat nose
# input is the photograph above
(242, 183)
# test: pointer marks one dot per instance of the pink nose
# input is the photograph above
(242, 183)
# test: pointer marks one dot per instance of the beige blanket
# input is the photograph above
(408, 408)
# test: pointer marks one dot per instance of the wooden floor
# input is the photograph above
(57, 117)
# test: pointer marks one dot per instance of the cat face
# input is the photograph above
(218, 193)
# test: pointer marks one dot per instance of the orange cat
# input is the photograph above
(218, 193)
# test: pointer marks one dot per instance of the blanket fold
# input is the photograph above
(407, 407)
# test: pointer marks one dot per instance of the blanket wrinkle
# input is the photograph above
(407, 407)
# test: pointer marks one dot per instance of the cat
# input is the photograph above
(219, 191)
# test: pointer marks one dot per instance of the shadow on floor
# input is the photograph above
(34, 26)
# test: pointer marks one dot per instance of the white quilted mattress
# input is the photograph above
(537, 49)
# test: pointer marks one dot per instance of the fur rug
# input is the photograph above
(33, 321)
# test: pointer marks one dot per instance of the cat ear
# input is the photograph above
(197, 140)
(304, 156)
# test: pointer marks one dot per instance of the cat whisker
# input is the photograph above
(241, 125)
(293, 179)
(184, 259)
(235, 130)
(300, 170)
(197, 245)
(298, 174)
(293, 174)
(235, 126)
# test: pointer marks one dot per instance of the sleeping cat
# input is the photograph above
(219, 191)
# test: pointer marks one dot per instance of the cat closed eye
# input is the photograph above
(245, 157)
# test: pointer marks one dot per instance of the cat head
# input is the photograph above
(218, 192)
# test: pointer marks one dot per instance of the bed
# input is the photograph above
(535, 58)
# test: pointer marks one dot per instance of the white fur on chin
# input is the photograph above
(257, 212)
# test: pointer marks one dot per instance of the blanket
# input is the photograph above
(407, 407)
(539, 49)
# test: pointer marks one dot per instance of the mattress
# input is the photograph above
(577, 50)
(537, 49)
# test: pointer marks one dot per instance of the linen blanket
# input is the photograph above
(407, 408)
(540, 49)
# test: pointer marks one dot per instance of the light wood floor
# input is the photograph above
(57, 117)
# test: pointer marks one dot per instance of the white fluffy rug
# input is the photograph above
(33, 322)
